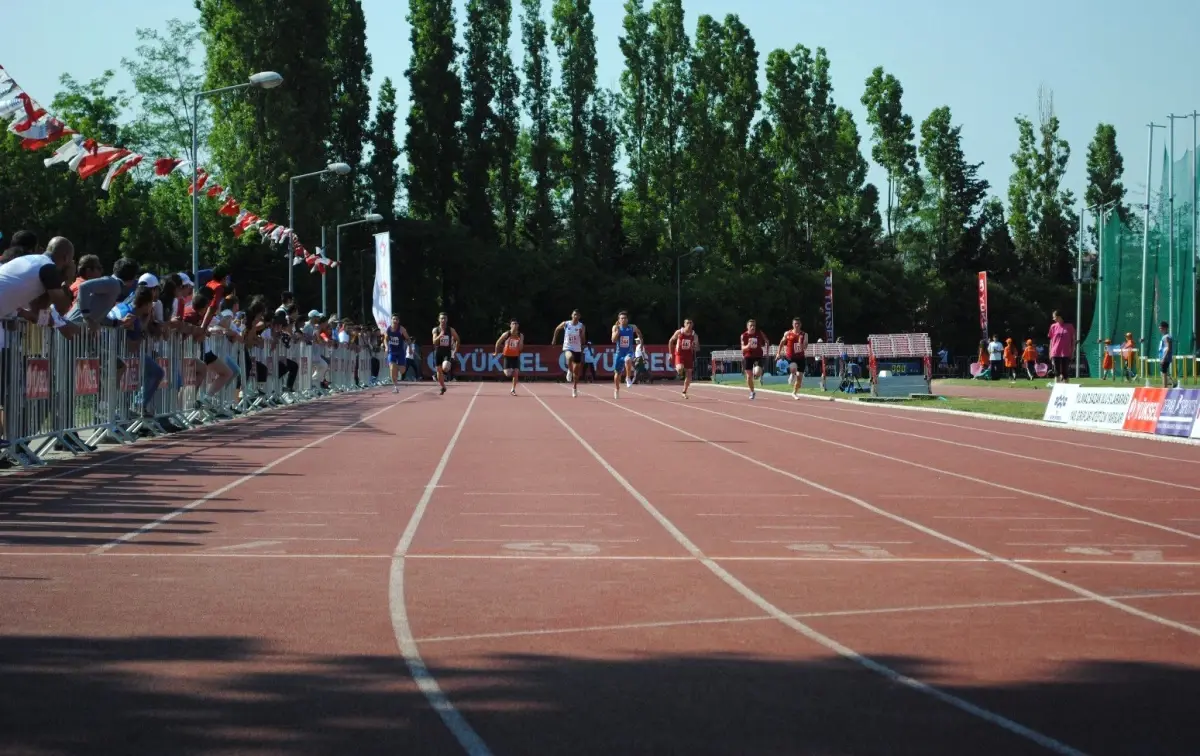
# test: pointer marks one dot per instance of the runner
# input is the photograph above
(574, 336)
(792, 348)
(683, 347)
(445, 345)
(396, 337)
(513, 342)
(754, 342)
(623, 335)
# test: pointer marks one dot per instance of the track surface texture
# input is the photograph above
(1001, 390)
(487, 574)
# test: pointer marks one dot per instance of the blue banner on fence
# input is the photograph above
(1178, 413)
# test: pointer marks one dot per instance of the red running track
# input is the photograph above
(487, 574)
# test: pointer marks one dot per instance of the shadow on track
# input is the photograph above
(103, 695)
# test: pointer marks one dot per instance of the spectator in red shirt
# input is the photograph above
(89, 268)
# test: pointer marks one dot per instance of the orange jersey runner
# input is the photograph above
(512, 346)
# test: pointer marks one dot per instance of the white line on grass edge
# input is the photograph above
(426, 683)
(762, 603)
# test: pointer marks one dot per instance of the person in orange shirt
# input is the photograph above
(1128, 354)
(1029, 357)
(1106, 361)
(512, 342)
(984, 364)
(1010, 360)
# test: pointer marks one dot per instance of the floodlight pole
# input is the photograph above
(1146, 241)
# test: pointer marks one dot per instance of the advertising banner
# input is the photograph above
(983, 307)
(1099, 407)
(381, 295)
(1142, 416)
(37, 379)
(828, 305)
(87, 377)
(1178, 415)
(1058, 407)
(476, 361)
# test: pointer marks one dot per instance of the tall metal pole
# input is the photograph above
(1171, 314)
(1099, 315)
(1195, 221)
(678, 294)
(292, 235)
(1146, 239)
(195, 190)
(337, 233)
(324, 288)
(1078, 290)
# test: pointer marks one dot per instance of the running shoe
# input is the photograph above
(443, 391)
(574, 392)
(751, 396)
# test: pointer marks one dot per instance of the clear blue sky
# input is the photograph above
(1118, 62)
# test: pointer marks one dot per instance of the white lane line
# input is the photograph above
(556, 540)
(1006, 517)
(1078, 590)
(246, 545)
(989, 450)
(864, 543)
(335, 512)
(1049, 530)
(1106, 545)
(428, 685)
(801, 615)
(528, 493)
(752, 515)
(245, 478)
(909, 463)
(1058, 439)
(931, 497)
(538, 514)
(805, 630)
(737, 496)
(551, 525)
(798, 527)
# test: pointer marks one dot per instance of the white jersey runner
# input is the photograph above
(573, 337)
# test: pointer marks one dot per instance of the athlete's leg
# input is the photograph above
(617, 375)
(687, 380)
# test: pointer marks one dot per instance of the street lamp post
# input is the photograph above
(261, 80)
(368, 218)
(340, 169)
(678, 287)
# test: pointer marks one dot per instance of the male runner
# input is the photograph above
(513, 342)
(792, 348)
(396, 338)
(574, 337)
(623, 335)
(754, 342)
(683, 348)
(445, 344)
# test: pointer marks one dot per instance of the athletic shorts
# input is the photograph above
(396, 358)
(623, 356)
(209, 358)
(797, 360)
(512, 363)
(751, 363)
(576, 357)
(1165, 366)
(441, 355)
(687, 359)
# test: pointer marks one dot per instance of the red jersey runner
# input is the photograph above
(685, 349)
(795, 344)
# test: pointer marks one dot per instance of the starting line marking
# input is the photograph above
(802, 615)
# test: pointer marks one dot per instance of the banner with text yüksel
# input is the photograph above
(828, 305)
(477, 361)
(1178, 414)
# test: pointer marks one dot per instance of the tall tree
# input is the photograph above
(705, 135)
(382, 177)
(1040, 216)
(506, 127)
(737, 110)
(604, 181)
(433, 143)
(351, 107)
(953, 188)
(1105, 169)
(573, 32)
(634, 124)
(483, 34)
(166, 77)
(540, 223)
(892, 143)
(666, 101)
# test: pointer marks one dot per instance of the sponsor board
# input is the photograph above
(37, 379)
(1099, 407)
(87, 377)
(1142, 415)
(476, 361)
(1058, 407)
(1178, 415)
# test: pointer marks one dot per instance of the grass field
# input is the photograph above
(1021, 409)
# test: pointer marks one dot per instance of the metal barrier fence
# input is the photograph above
(71, 394)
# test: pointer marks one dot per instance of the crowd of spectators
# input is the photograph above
(48, 286)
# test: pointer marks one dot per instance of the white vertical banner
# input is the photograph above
(381, 297)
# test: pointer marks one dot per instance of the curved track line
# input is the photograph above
(1019, 567)
(126, 538)
(786, 619)
(990, 450)
(938, 470)
(426, 683)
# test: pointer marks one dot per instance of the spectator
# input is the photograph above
(35, 282)
(984, 366)
(1166, 355)
(1106, 361)
(1128, 356)
(412, 361)
(589, 363)
(1062, 341)
(1010, 360)
(97, 297)
(281, 328)
(89, 268)
(1029, 357)
(23, 243)
(995, 358)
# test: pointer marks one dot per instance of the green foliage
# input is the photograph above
(166, 77)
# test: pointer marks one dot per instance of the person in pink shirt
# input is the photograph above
(1062, 341)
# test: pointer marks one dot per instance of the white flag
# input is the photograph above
(381, 299)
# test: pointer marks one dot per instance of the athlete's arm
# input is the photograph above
(557, 331)
(435, 336)
(616, 329)
(671, 343)
(453, 341)
(499, 341)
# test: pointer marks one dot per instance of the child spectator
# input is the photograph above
(1106, 361)
(1128, 355)
(1029, 357)
(1010, 360)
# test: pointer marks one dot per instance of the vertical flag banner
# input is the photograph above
(983, 313)
(829, 305)
(381, 297)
